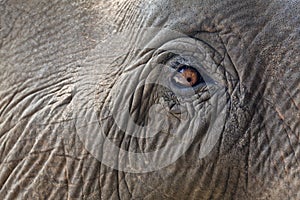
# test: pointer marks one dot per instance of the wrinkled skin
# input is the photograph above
(60, 59)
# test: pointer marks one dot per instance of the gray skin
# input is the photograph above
(61, 58)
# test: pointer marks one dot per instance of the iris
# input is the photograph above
(187, 76)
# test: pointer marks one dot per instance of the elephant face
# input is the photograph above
(149, 99)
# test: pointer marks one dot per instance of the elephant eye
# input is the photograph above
(187, 76)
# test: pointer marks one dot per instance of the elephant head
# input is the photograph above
(149, 99)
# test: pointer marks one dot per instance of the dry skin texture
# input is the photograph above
(60, 59)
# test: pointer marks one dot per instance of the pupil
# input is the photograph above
(189, 79)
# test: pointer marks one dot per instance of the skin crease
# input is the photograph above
(53, 52)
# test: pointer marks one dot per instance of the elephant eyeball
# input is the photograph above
(187, 76)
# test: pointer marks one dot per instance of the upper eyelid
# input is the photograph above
(203, 60)
(205, 68)
(183, 61)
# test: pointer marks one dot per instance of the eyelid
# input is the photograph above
(190, 61)
(192, 52)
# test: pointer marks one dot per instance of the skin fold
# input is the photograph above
(88, 109)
